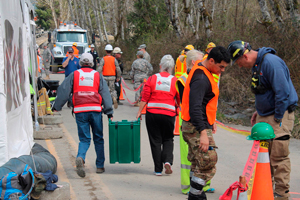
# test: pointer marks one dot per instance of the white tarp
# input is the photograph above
(16, 132)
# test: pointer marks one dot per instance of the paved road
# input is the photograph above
(136, 181)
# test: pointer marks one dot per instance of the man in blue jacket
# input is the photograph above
(275, 102)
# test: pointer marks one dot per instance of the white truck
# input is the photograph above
(62, 38)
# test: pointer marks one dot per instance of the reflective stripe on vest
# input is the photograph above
(86, 97)
(216, 77)
(182, 79)
(185, 166)
(211, 107)
(180, 67)
(160, 105)
(162, 94)
(109, 67)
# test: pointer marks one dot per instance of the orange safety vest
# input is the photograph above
(76, 52)
(180, 67)
(163, 94)
(38, 63)
(86, 97)
(211, 107)
(109, 68)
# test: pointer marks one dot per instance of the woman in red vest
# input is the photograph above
(160, 94)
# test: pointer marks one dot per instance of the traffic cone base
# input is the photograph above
(177, 126)
(262, 185)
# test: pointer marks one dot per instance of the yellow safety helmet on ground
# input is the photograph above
(189, 47)
(75, 44)
(210, 45)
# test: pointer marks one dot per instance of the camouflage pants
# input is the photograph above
(202, 163)
(47, 68)
(137, 82)
(111, 85)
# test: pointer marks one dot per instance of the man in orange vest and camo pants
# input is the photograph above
(199, 109)
(111, 72)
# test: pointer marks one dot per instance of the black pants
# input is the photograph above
(118, 90)
(160, 131)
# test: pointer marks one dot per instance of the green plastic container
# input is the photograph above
(124, 141)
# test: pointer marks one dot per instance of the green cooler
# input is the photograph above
(124, 141)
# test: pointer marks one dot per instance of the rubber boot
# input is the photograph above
(202, 196)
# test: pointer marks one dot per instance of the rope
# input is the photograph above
(123, 83)
(132, 103)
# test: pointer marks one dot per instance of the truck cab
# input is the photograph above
(63, 38)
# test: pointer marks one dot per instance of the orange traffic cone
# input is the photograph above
(177, 126)
(144, 110)
(262, 185)
(121, 93)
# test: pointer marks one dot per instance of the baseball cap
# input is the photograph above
(117, 50)
(139, 53)
(70, 50)
(86, 59)
(143, 46)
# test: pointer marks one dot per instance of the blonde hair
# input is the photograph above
(193, 55)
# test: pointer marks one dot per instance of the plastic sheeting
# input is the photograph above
(16, 133)
(40, 160)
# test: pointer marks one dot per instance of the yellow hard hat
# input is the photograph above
(182, 52)
(210, 45)
(75, 44)
(189, 47)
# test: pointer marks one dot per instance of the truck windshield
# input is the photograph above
(71, 37)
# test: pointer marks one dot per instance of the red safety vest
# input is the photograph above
(86, 97)
(211, 107)
(163, 92)
(109, 68)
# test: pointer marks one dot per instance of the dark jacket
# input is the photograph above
(275, 76)
(95, 58)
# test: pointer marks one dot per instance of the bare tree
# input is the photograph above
(87, 8)
(71, 9)
(113, 18)
(277, 12)
(207, 19)
(213, 9)
(291, 7)
(96, 14)
(174, 16)
(102, 19)
(78, 12)
(266, 20)
(187, 9)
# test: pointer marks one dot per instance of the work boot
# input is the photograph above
(115, 102)
(279, 197)
(100, 170)
(79, 167)
(120, 103)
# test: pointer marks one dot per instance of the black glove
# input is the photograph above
(109, 116)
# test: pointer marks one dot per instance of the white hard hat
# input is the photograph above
(108, 47)
(92, 45)
(117, 50)
(86, 59)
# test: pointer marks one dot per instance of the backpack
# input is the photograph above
(15, 186)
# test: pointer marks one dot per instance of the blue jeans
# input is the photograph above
(84, 121)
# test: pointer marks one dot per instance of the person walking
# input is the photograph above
(95, 56)
(275, 102)
(109, 67)
(180, 66)
(90, 93)
(146, 55)
(162, 99)
(70, 63)
(117, 53)
(140, 70)
(199, 109)
(47, 60)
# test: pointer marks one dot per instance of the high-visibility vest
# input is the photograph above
(211, 107)
(163, 94)
(38, 63)
(181, 81)
(109, 68)
(180, 67)
(86, 97)
(216, 77)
